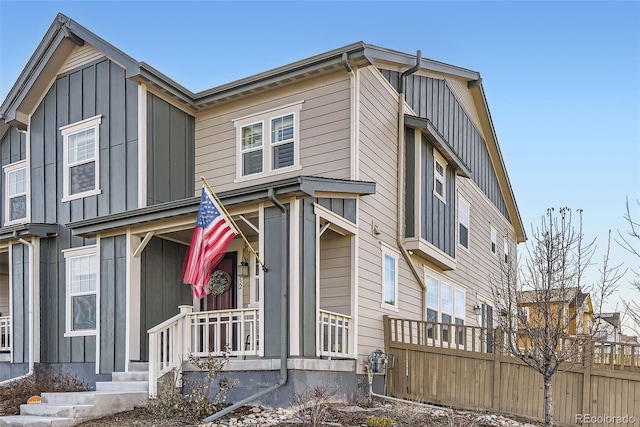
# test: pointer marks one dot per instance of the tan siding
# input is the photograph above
(335, 273)
(324, 132)
(80, 55)
(459, 88)
(378, 163)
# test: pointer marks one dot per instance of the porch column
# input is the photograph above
(134, 250)
(308, 297)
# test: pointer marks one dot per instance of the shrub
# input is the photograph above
(380, 422)
(45, 379)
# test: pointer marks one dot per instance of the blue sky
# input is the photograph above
(562, 79)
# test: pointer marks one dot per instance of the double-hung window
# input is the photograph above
(506, 250)
(463, 222)
(81, 174)
(439, 176)
(446, 305)
(389, 277)
(268, 142)
(16, 203)
(82, 291)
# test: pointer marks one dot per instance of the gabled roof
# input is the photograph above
(64, 33)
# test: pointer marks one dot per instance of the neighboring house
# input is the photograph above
(569, 308)
(366, 192)
(608, 327)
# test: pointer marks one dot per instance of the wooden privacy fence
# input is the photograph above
(460, 366)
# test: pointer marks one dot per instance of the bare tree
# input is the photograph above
(541, 302)
(631, 243)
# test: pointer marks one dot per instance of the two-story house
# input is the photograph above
(369, 181)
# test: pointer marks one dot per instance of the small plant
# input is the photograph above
(45, 379)
(313, 403)
(380, 422)
(201, 400)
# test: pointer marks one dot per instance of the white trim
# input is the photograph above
(8, 169)
(70, 129)
(391, 252)
(265, 118)
(70, 254)
(355, 283)
(342, 226)
(437, 158)
(142, 145)
(294, 277)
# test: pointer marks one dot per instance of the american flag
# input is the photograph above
(211, 236)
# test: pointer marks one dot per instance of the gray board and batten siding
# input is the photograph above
(13, 148)
(20, 295)
(162, 290)
(96, 88)
(433, 99)
(170, 152)
(437, 218)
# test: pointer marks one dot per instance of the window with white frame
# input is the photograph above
(82, 291)
(268, 142)
(524, 314)
(389, 277)
(446, 305)
(463, 222)
(494, 240)
(81, 174)
(255, 280)
(16, 206)
(439, 176)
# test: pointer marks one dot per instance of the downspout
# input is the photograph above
(284, 330)
(401, 175)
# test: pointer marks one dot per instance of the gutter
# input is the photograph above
(401, 176)
(284, 330)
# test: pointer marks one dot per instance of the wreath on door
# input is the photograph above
(219, 283)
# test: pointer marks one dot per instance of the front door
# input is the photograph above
(220, 328)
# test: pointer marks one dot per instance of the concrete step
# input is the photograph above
(58, 410)
(70, 398)
(123, 386)
(22, 420)
(139, 366)
(5, 357)
(130, 376)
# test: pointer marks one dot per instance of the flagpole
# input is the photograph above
(213, 193)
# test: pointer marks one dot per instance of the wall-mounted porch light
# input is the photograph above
(243, 268)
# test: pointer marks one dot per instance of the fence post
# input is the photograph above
(497, 358)
(587, 364)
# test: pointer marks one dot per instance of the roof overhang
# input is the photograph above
(439, 142)
(298, 186)
(22, 231)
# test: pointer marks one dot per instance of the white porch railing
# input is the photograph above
(5, 333)
(200, 334)
(334, 334)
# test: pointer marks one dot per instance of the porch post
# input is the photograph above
(132, 300)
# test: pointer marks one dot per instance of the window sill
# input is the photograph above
(80, 334)
(266, 174)
(390, 307)
(81, 195)
(17, 221)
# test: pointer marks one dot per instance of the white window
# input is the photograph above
(439, 176)
(268, 142)
(389, 277)
(82, 291)
(81, 174)
(524, 315)
(494, 240)
(506, 249)
(446, 305)
(463, 222)
(255, 281)
(17, 200)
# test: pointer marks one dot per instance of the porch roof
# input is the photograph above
(299, 186)
(29, 229)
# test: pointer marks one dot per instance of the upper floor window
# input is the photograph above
(268, 142)
(506, 249)
(463, 222)
(389, 277)
(439, 176)
(82, 290)
(494, 240)
(81, 174)
(16, 206)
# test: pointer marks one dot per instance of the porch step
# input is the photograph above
(130, 376)
(139, 366)
(69, 409)
(5, 357)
